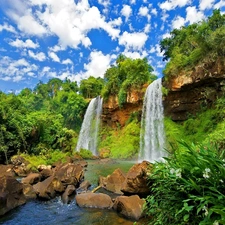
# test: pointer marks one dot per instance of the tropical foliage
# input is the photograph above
(203, 41)
(188, 188)
(40, 120)
(127, 74)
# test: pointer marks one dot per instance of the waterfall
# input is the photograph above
(152, 137)
(88, 137)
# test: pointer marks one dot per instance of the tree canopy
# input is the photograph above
(191, 44)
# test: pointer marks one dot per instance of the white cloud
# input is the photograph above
(178, 22)
(53, 56)
(193, 15)
(135, 40)
(154, 11)
(38, 56)
(98, 64)
(105, 3)
(143, 11)
(15, 70)
(147, 28)
(7, 27)
(126, 11)
(164, 17)
(67, 61)
(172, 4)
(24, 44)
(135, 54)
(206, 4)
(132, 2)
(219, 5)
(57, 48)
(68, 20)
(166, 35)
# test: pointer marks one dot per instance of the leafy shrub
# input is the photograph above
(188, 188)
(86, 154)
(124, 142)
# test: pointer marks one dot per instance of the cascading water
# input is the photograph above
(152, 136)
(88, 137)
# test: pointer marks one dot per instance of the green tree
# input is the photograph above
(91, 87)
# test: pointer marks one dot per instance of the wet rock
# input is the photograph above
(66, 196)
(94, 200)
(113, 182)
(130, 207)
(6, 170)
(48, 188)
(32, 178)
(11, 194)
(29, 192)
(83, 186)
(44, 167)
(69, 174)
(45, 173)
(136, 180)
(83, 163)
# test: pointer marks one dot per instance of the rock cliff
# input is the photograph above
(190, 91)
(114, 116)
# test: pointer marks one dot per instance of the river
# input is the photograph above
(54, 212)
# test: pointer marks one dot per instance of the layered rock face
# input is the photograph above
(113, 115)
(193, 90)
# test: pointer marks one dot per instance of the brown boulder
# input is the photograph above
(131, 207)
(32, 178)
(83, 186)
(136, 180)
(69, 174)
(94, 200)
(113, 182)
(48, 188)
(11, 194)
(66, 196)
(6, 170)
(29, 192)
(45, 173)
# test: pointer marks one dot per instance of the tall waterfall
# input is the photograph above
(152, 136)
(88, 137)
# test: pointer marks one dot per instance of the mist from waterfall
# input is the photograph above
(88, 136)
(152, 137)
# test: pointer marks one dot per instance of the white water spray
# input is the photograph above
(152, 136)
(88, 137)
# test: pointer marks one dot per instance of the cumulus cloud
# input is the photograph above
(67, 61)
(126, 11)
(154, 11)
(68, 20)
(38, 56)
(53, 56)
(147, 28)
(15, 70)
(178, 22)
(172, 4)
(206, 4)
(24, 44)
(132, 2)
(135, 40)
(219, 5)
(105, 3)
(193, 15)
(143, 11)
(7, 27)
(135, 54)
(98, 64)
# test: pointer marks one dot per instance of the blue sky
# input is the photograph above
(42, 39)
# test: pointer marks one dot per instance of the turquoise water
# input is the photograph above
(54, 212)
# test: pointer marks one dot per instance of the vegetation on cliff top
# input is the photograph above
(198, 42)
